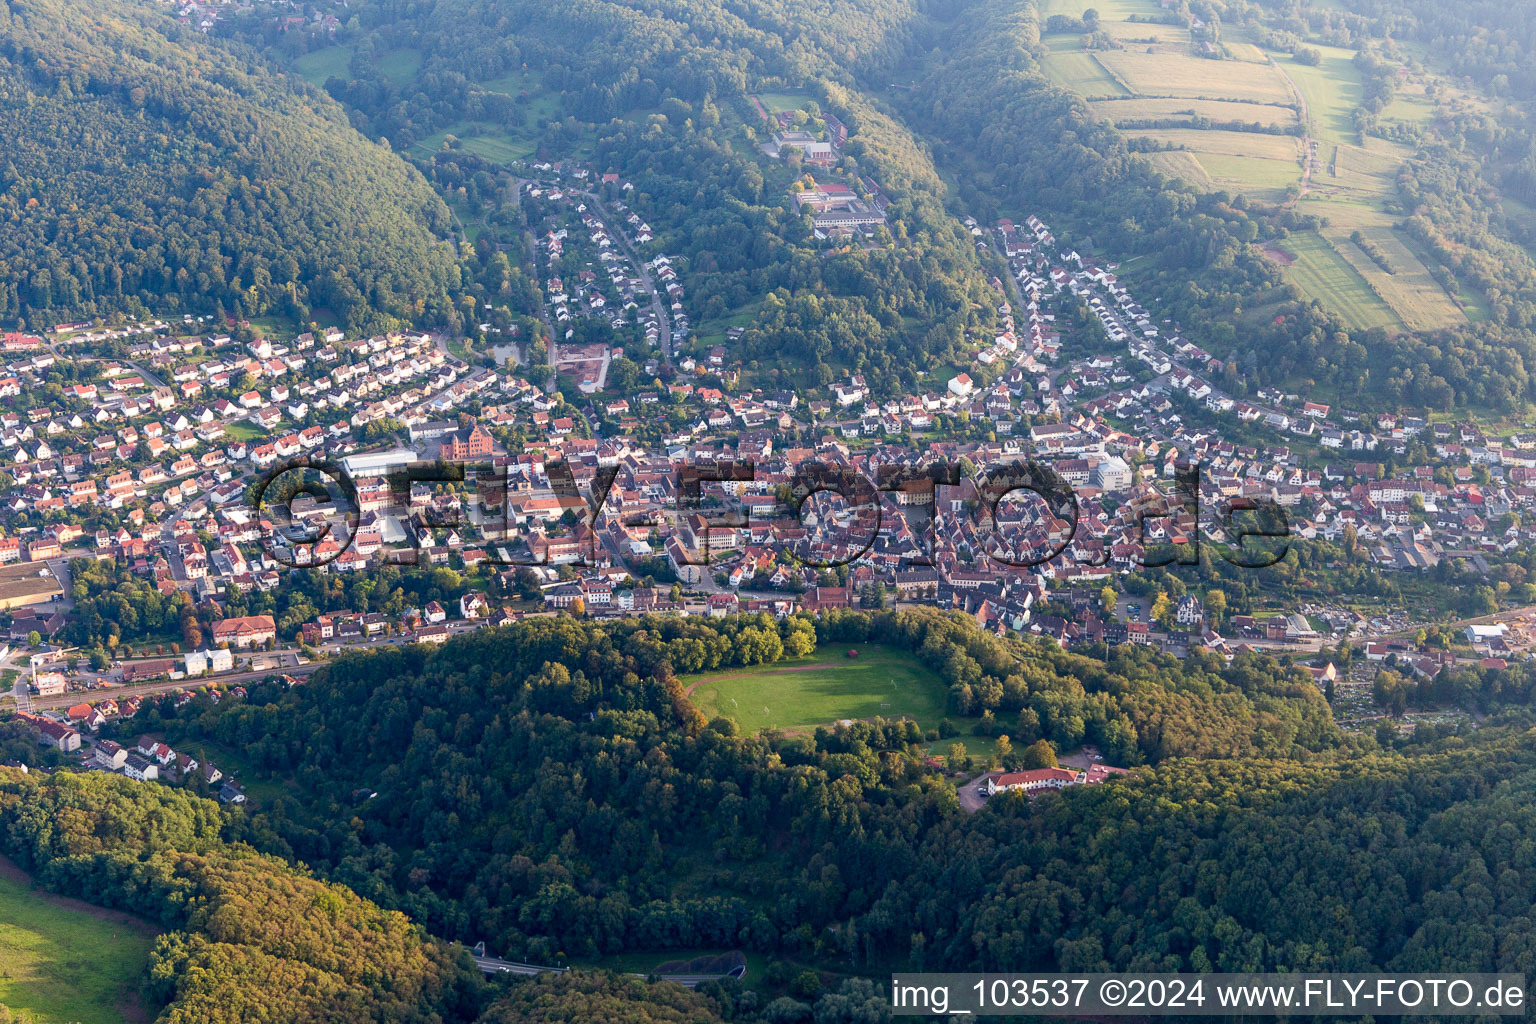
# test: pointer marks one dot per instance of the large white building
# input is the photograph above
(1034, 780)
(216, 660)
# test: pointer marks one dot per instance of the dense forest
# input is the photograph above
(249, 938)
(149, 170)
(553, 803)
(571, 801)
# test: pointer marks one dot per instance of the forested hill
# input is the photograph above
(146, 168)
(549, 787)
(250, 938)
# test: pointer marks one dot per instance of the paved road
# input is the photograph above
(663, 315)
(67, 700)
(491, 965)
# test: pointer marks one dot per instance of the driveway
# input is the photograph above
(971, 798)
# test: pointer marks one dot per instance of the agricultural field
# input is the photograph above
(1081, 72)
(1156, 76)
(62, 960)
(1166, 108)
(1319, 271)
(1110, 11)
(1331, 90)
(1249, 145)
(1180, 164)
(1178, 74)
(1410, 289)
(827, 686)
(1256, 177)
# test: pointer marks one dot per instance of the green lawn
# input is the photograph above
(319, 65)
(63, 961)
(485, 140)
(1332, 90)
(823, 688)
(244, 430)
(979, 747)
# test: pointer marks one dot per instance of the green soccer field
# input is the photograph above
(826, 687)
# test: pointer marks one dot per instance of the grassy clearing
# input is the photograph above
(1412, 292)
(1246, 52)
(319, 65)
(485, 140)
(1251, 145)
(1181, 165)
(1332, 91)
(823, 688)
(1109, 10)
(537, 103)
(1322, 273)
(1141, 35)
(712, 332)
(400, 65)
(1176, 74)
(1141, 108)
(332, 62)
(260, 787)
(1081, 72)
(1253, 176)
(62, 960)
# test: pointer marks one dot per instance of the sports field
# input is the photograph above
(823, 688)
(62, 960)
(776, 102)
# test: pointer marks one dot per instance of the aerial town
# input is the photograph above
(152, 447)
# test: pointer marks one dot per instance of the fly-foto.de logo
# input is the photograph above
(1016, 514)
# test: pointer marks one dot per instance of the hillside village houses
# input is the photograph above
(147, 457)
